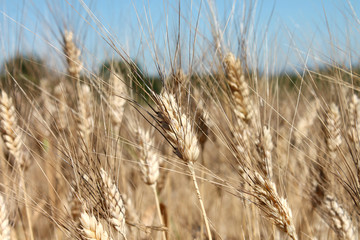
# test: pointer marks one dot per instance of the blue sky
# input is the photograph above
(285, 31)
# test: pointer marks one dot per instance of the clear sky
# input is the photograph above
(285, 32)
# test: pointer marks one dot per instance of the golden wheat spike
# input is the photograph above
(92, 229)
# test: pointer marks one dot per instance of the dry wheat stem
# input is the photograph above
(153, 187)
(26, 202)
(192, 171)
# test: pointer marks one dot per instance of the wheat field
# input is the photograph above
(214, 147)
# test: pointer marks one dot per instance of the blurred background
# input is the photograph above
(279, 35)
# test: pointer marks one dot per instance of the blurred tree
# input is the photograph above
(134, 77)
(24, 71)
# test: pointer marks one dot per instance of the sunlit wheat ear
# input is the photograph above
(4, 222)
(118, 92)
(149, 164)
(202, 120)
(273, 206)
(91, 228)
(332, 129)
(306, 122)
(61, 116)
(72, 54)
(131, 214)
(243, 107)
(179, 132)
(12, 139)
(114, 203)
(339, 219)
(178, 127)
(354, 119)
(11, 133)
(85, 118)
(264, 147)
(148, 157)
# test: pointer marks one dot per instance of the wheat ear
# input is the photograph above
(306, 122)
(243, 107)
(274, 207)
(149, 165)
(85, 118)
(72, 54)
(131, 214)
(333, 134)
(12, 138)
(340, 220)
(91, 228)
(114, 203)
(10, 130)
(4, 221)
(148, 157)
(264, 147)
(180, 133)
(116, 100)
(61, 119)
